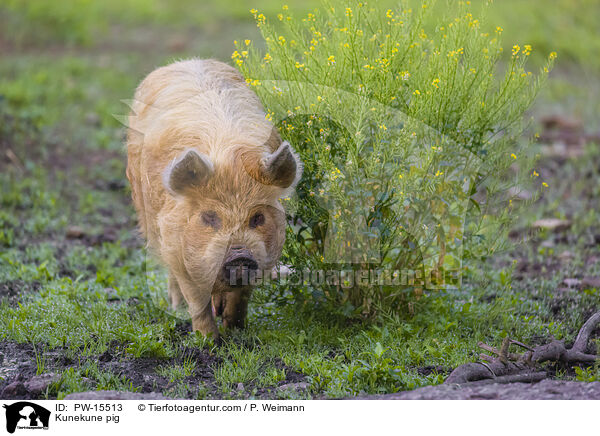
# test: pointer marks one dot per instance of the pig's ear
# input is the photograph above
(281, 168)
(190, 170)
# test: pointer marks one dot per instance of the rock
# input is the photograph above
(572, 283)
(300, 386)
(13, 390)
(92, 119)
(590, 283)
(240, 386)
(114, 395)
(592, 260)
(553, 224)
(75, 232)
(544, 390)
(177, 43)
(39, 383)
(111, 294)
(548, 243)
(561, 122)
(566, 255)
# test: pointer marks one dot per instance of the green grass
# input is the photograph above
(81, 298)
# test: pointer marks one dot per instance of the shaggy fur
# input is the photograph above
(202, 161)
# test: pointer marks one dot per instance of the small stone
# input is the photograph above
(240, 386)
(572, 283)
(590, 283)
(14, 389)
(92, 119)
(548, 243)
(39, 383)
(75, 232)
(554, 224)
(566, 255)
(300, 386)
(111, 294)
(114, 395)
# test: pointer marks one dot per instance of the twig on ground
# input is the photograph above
(513, 367)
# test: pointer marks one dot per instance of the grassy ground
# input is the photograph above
(80, 299)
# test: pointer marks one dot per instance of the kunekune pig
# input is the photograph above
(207, 171)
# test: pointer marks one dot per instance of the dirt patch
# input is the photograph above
(18, 367)
(544, 390)
(12, 291)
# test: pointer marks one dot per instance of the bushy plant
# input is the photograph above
(409, 136)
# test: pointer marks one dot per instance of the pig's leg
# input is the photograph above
(218, 301)
(202, 318)
(235, 308)
(174, 291)
(200, 308)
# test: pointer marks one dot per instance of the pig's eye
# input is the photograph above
(257, 220)
(211, 219)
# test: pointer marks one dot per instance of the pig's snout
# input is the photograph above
(239, 267)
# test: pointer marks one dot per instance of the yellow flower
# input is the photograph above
(281, 40)
(515, 49)
(439, 173)
(417, 92)
(514, 156)
(526, 50)
(389, 13)
(552, 55)
(331, 60)
(319, 98)
(235, 54)
(247, 42)
(268, 57)
(299, 65)
(435, 82)
(499, 29)
(535, 173)
(545, 184)
(253, 11)
(349, 12)
(285, 7)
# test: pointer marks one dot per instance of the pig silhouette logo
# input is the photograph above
(24, 414)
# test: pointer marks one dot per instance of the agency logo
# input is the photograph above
(26, 415)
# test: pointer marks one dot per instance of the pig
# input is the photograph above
(208, 171)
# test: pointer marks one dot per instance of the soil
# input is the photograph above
(18, 366)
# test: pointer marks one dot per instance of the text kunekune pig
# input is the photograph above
(207, 170)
